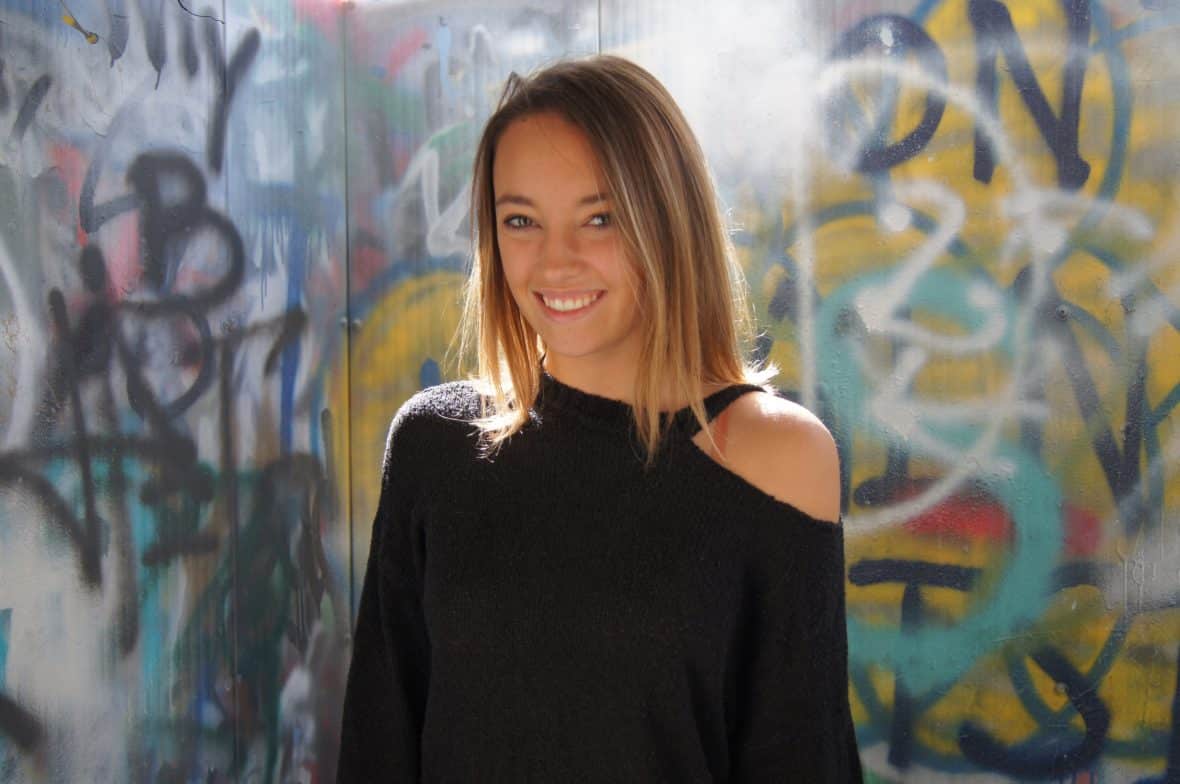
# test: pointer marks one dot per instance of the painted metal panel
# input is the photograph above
(173, 224)
(231, 242)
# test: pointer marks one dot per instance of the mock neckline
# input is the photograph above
(611, 413)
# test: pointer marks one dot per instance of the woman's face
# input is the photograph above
(562, 253)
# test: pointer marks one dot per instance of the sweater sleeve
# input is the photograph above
(793, 719)
(385, 695)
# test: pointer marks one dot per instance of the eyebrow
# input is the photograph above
(513, 198)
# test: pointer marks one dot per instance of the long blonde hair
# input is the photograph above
(691, 291)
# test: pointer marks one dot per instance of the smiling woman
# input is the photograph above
(612, 555)
(563, 257)
(588, 180)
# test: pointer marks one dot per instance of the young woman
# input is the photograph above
(612, 556)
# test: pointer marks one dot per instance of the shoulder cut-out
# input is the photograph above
(782, 449)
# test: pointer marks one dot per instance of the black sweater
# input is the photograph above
(560, 614)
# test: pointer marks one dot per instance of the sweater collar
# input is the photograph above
(556, 396)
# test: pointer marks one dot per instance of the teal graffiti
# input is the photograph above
(932, 658)
(5, 625)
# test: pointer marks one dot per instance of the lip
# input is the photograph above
(566, 293)
(568, 315)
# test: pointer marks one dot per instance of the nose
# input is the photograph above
(560, 254)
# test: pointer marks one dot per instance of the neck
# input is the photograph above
(610, 379)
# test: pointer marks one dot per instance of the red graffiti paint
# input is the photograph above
(71, 169)
(1083, 532)
(409, 45)
(124, 263)
(971, 517)
(320, 13)
(978, 515)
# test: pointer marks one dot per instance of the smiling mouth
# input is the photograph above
(570, 304)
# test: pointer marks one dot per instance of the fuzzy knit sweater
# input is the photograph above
(560, 613)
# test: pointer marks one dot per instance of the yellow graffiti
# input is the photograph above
(413, 322)
(1139, 225)
(69, 18)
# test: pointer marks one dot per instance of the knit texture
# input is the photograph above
(560, 613)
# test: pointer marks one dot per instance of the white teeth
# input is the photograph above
(571, 304)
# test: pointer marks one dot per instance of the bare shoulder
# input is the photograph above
(786, 451)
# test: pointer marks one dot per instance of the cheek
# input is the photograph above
(515, 275)
(624, 276)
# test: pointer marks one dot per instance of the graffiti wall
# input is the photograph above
(173, 557)
(231, 242)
